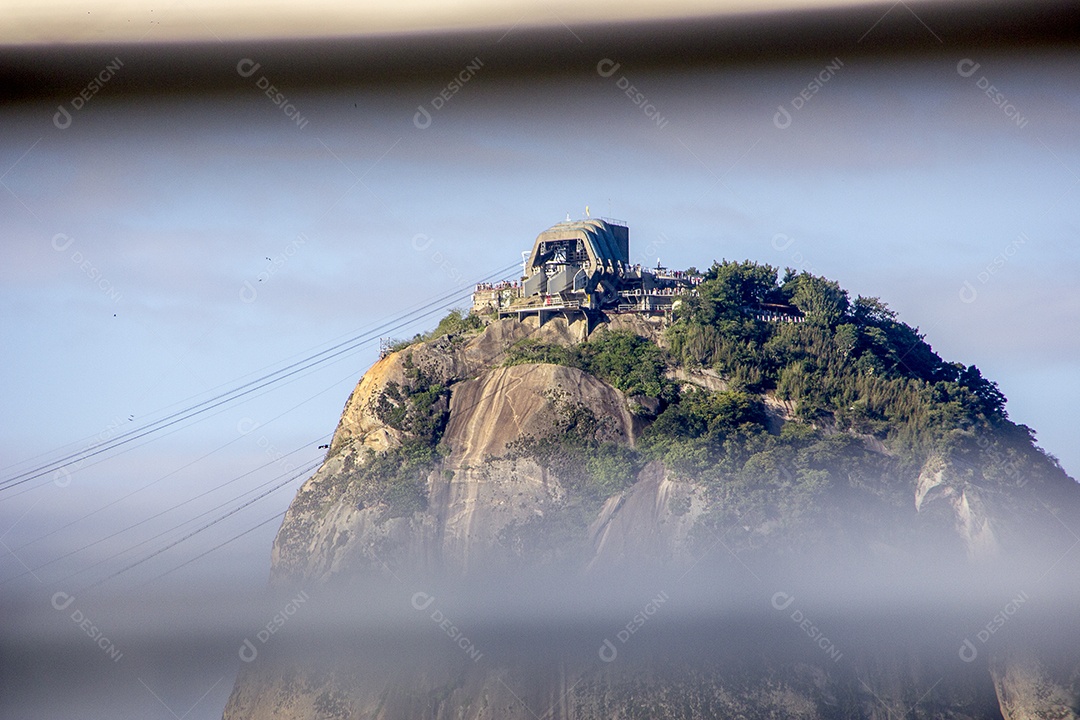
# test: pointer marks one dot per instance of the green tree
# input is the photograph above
(731, 287)
(629, 362)
(822, 301)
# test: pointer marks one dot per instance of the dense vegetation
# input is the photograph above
(397, 478)
(456, 324)
(419, 408)
(581, 450)
(871, 402)
(624, 360)
(851, 363)
(854, 374)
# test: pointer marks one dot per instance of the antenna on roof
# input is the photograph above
(567, 217)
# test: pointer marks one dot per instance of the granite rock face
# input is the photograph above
(484, 506)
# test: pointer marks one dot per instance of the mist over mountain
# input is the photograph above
(613, 491)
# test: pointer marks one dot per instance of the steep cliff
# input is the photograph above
(514, 447)
(475, 492)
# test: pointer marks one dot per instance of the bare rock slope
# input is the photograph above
(481, 495)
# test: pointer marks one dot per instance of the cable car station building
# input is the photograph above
(582, 268)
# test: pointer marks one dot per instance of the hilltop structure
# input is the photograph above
(578, 269)
(504, 458)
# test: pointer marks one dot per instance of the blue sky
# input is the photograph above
(901, 179)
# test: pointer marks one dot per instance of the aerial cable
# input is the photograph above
(267, 384)
(163, 533)
(189, 535)
(177, 527)
(228, 396)
(222, 447)
(184, 467)
(208, 404)
(404, 313)
(404, 321)
(152, 517)
(156, 481)
(216, 547)
(303, 473)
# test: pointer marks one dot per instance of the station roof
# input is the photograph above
(603, 240)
